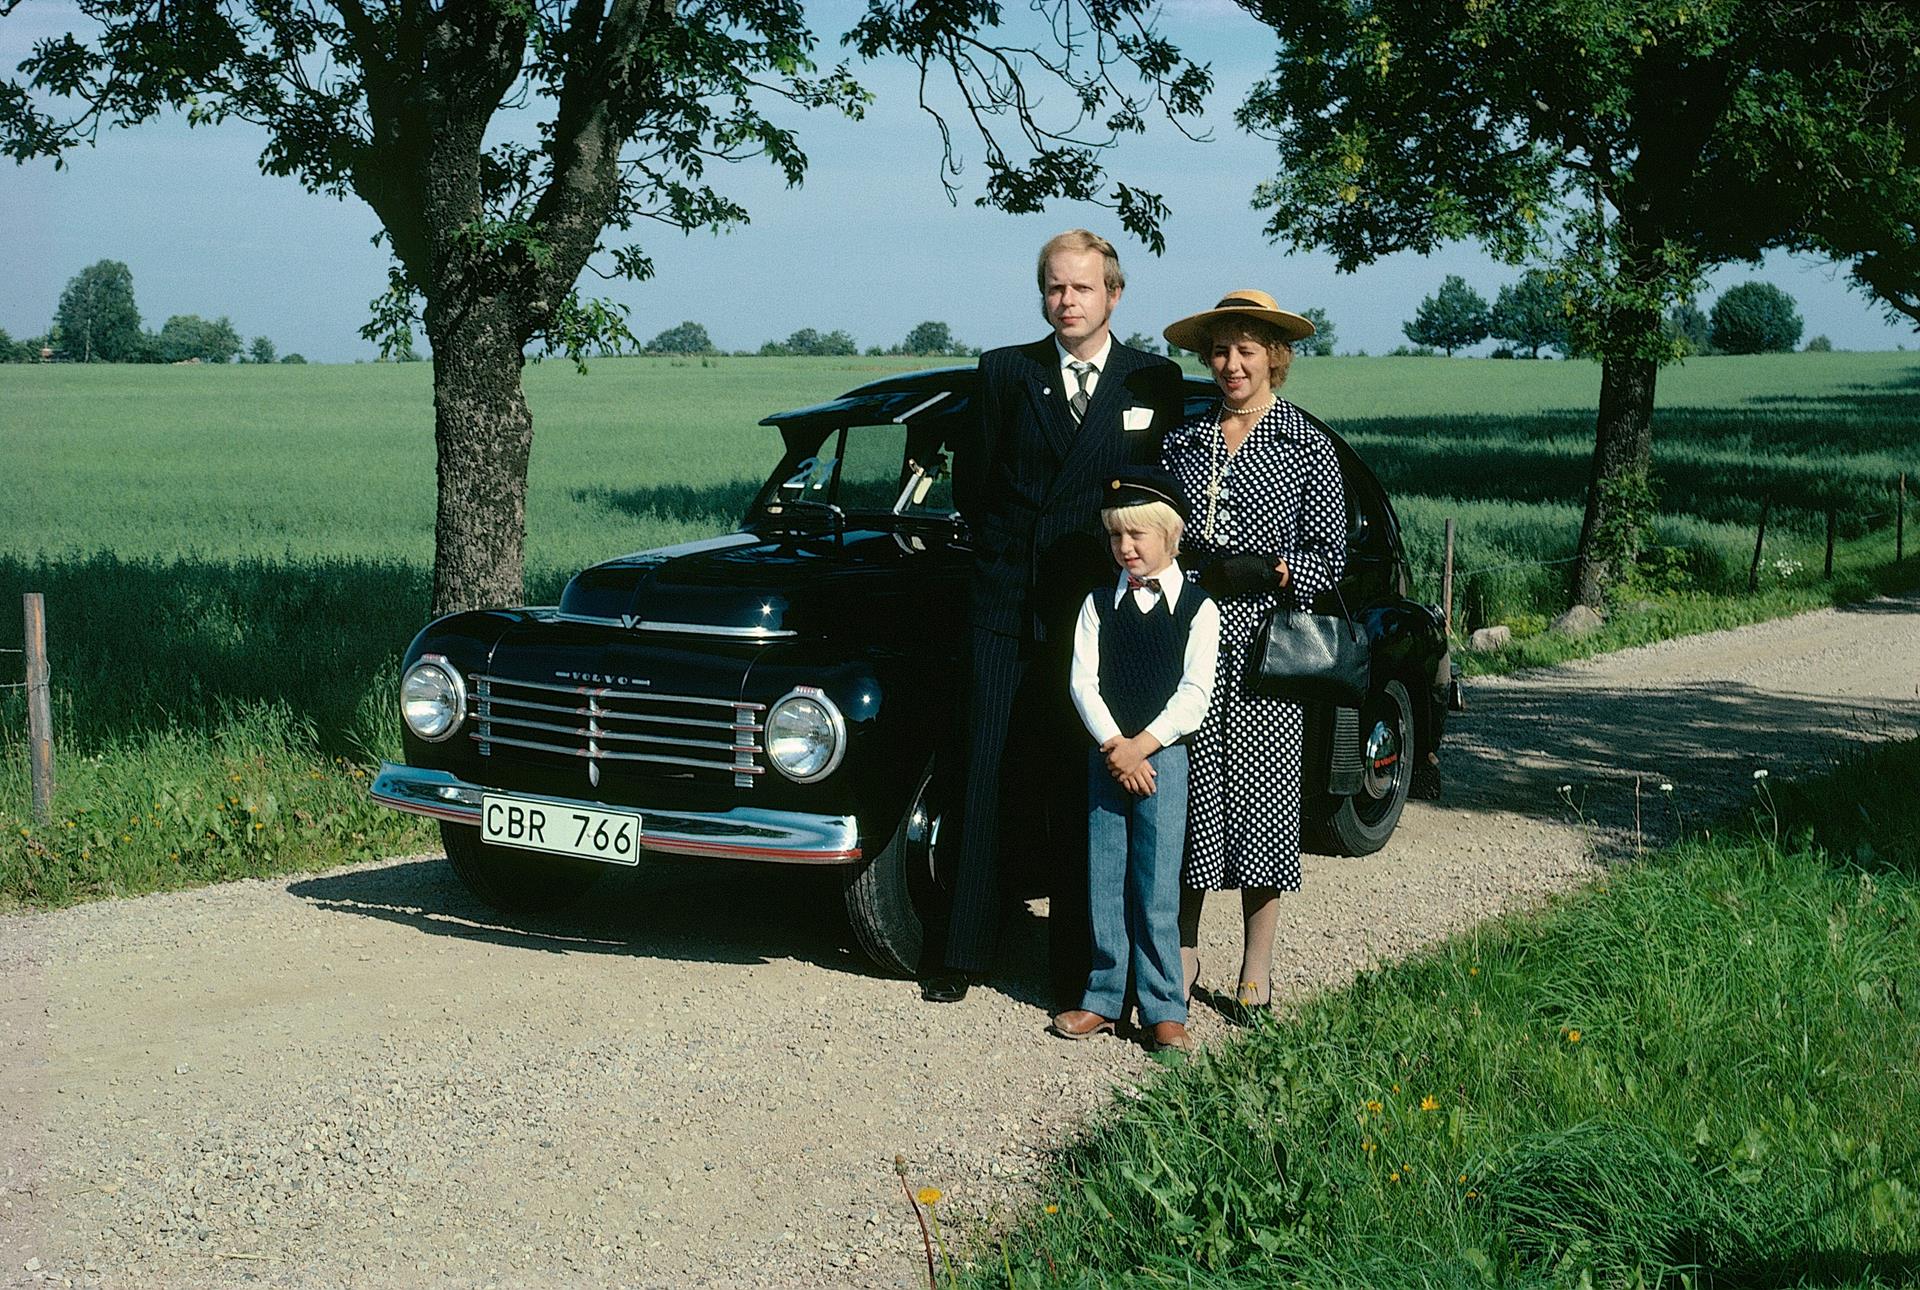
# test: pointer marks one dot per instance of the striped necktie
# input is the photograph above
(1081, 371)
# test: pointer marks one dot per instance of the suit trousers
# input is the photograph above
(1023, 815)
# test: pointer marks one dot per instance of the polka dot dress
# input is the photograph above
(1278, 494)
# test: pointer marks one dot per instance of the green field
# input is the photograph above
(233, 557)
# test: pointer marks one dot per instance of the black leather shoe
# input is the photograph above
(945, 987)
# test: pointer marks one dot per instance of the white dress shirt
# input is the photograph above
(1188, 706)
(1070, 382)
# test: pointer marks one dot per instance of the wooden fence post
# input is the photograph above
(1759, 541)
(1446, 580)
(1833, 516)
(39, 710)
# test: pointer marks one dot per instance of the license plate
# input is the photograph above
(561, 828)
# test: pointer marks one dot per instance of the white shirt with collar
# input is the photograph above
(1070, 382)
(1187, 708)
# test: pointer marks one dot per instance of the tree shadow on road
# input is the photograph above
(1559, 748)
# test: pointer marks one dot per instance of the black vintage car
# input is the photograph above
(777, 694)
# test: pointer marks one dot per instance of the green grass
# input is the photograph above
(233, 556)
(1700, 1071)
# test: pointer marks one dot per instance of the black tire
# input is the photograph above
(515, 882)
(889, 897)
(1361, 824)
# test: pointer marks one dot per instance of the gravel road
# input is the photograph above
(365, 1079)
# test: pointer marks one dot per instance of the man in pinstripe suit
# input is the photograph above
(1057, 418)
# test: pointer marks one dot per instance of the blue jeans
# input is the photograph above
(1134, 846)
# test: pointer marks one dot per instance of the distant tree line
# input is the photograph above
(927, 339)
(1534, 314)
(97, 321)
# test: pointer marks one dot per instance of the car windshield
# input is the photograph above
(865, 470)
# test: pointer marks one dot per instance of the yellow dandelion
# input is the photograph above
(258, 826)
(1393, 1177)
(1429, 1103)
(1368, 1145)
(1473, 971)
(1053, 1209)
(1471, 1194)
(1373, 1105)
(1396, 1088)
(1573, 1036)
(1463, 1177)
(928, 1195)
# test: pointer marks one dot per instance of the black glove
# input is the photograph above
(1237, 575)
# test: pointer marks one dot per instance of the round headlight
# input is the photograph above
(806, 736)
(433, 699)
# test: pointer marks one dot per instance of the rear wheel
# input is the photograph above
(890, 897)
(1362, 823)
(515, 882)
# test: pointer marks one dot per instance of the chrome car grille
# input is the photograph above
(605, 725)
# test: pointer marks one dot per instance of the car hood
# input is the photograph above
(762, 586)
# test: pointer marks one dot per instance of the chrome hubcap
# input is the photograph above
(1382, 765)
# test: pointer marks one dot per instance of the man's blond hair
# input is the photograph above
(1079, 239)
(1147, 515)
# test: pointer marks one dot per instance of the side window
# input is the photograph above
(875, 470)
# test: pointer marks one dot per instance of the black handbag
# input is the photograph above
(1311, 658)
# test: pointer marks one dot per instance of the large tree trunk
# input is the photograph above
(483, 437)
(1622, 455)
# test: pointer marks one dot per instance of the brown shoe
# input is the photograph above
(1078, 1023)
(1168, 1036)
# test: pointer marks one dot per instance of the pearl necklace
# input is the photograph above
(1262, 410)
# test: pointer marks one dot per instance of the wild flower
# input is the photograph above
(1573, 1036)
(928, 1195)
(1053, 1209)
(1369, 1146)
(1761, 773)
(1429, 1103)
(1666, 787)
(1394, 1176)
(1373, 1105)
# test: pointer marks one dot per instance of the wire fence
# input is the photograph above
(1457, 578)
(12, 685)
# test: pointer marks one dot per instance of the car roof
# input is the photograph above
(932, 399)
(923, 399)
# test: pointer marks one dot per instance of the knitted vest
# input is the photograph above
(1142, 655)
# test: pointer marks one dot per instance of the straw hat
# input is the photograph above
(1191, 333)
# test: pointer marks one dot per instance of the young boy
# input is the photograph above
(1144, 652)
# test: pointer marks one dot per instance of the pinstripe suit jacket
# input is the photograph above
(1031, 483)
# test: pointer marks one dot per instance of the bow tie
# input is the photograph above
(1150, 584)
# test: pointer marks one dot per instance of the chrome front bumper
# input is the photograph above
(743, 833)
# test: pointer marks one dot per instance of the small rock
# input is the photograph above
(1578, 621)
(1490, 638)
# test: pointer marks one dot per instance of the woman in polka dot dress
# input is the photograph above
(1269, 521)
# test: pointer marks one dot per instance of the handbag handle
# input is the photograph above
(1346, 615)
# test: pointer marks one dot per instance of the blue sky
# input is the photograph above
(869, 244)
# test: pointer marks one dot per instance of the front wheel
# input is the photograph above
(515, 882)
(1361, 824)
(891, 896)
